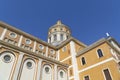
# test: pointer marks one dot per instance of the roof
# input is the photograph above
(2, 24)
(99, 42)
(69, 40)
(60, 24)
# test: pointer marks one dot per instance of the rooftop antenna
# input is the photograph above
(108, 35)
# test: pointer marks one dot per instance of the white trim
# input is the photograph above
(65, 59)
(97, 64)
(20, 40)
(46, 51)
(39, 69)
(3, 34)
(109, 73)
(34, 47)
(58, 55)
(115, 45)
(70, 66)
(13, 33)
(98, 54)
(74, 61)
(55, 72)
(18, 66)
(28, 40)
(71, 77)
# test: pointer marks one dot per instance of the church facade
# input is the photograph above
(25, 57)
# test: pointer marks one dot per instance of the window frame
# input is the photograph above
(104, 73)
(61, 37)
(82, 60)
(99, 54)
(86, 76)
(55, 37)
(28, 40)
(14, 34)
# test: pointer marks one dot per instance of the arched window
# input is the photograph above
(28, 71)
(55, 37)
(62, 75)
(7, 61)
(46, 72)
(99, 51)
(61, 37)
(83, 61)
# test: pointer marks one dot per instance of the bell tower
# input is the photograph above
(58, 33)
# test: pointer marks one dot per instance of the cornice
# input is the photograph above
(99, 42)
(69, 40)
(2, 24)
(31, 53)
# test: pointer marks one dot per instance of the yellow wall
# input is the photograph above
(65, 54)
(96, 73)
(91, 57)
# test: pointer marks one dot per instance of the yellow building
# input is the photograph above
(25, 57)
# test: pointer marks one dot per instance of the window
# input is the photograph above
(67, 37)
(13, 35)
(55, 37)
(99, 51)
(55, 29)
(83, 61)
(86, 78)
(61, 74)
(41, 46)
(52, 51)
(7, 58)
(107, 74)
(61, 37)
(29, 65)
(47, 69)
(64, 49)
(28, 41)
(61, 29)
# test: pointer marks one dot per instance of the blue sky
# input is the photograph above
(89, 20)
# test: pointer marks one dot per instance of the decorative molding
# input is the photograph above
(31, 53)
(74, 61)
(34, 47)
(20, 40)
(55, 72)
(3, 34)
(16, 73)
(66, 59)
(39, 69)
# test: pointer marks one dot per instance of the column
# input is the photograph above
(55, 72)
(19, 43)
(74, 61)
(34, 48)
(18, 66)
(3, 34)
(46, 53)
(39, 69)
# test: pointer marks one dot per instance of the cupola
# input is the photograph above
(58, 33)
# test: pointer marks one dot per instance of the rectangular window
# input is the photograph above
(86, 78)
(61, 37)
(107, 74)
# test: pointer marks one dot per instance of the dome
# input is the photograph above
(59, 25)
(58, 33)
